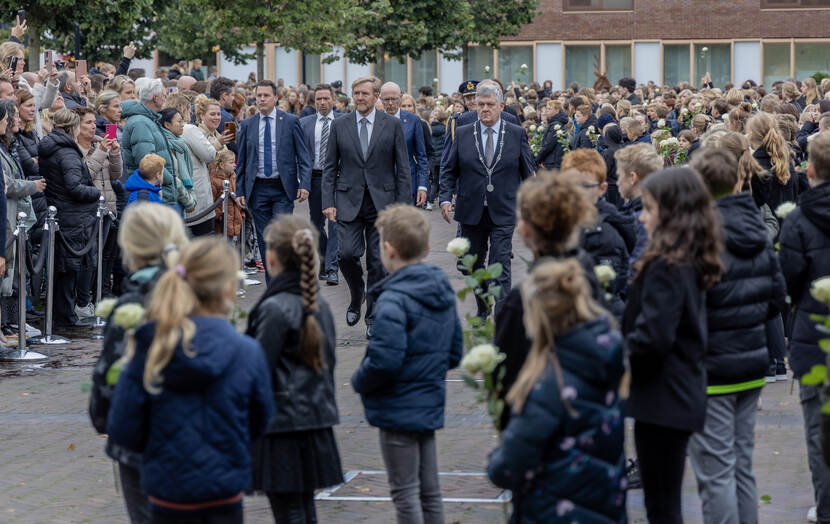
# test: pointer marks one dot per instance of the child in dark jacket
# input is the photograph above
(567, 428)
(417, 337)
(805, 257)
(751, 292)
(194, 393)
(665, 330)
(298, 453)
(145, 182)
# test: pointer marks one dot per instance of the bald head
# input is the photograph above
(390, 96)
(185, 82)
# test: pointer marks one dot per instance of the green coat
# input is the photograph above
(183, 169)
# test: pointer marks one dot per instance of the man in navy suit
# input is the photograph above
(485, 166)
(273, 163)
(413, 132)
(317, 129)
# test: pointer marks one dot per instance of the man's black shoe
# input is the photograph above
(369, 330)
(332, 279)
(323, 275)
(353, 312)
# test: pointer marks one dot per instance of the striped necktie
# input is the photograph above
(324, 141)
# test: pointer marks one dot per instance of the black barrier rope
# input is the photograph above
(86, 248)
(206, 212)
(36, 267)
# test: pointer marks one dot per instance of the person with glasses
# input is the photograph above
(390, 95)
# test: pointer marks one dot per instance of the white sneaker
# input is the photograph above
(812, 516)
(429, 206)
(32, 331)
(88, 311)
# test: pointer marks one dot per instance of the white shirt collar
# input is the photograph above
(370, 117)
(496, 128)
(398, 114)
(327, 117)
(272, 114)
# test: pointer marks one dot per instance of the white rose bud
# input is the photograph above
(557, 127)
(661, 122)
(705, 49)
(784, 209)
(129, 316)
(725, 119)
(820, 289)
(484, 358)
(434, 80)
(684, 111)
(698, 105)
(532, 128)
(486, 69)
(458, 246)
(605, 273)
(560, 133)
(104, 307)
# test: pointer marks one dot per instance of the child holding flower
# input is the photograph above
(417, 337)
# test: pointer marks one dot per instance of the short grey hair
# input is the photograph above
(64, 78)
(489, 89)
(154, 88)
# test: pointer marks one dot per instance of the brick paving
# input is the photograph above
(53, 469)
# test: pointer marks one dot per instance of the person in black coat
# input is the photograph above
(613, 141)
(70, 189)
(805, 257)
(25, 144)
(772, 153)
(298, 453)
(438, 132)
(664, 325)
(751, 293)
(151, 234)
(550, 155)
(552, 210)
(587, 123)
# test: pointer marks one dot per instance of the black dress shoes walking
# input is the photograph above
(331, 278)
(353, 312)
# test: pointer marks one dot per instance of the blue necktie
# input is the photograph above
(268, 168)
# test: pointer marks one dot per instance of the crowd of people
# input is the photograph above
(704, 207)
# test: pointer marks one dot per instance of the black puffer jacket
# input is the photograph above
(70, 189)
(604, 242)
(750, 292)
(613, 141)
(582, 140)
(767, 189)
(305, 398)
(550, 156)
(26, 143)
(805, 257)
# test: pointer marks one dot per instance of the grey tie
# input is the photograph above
(324, 142)
(489, 149)
(364, 136)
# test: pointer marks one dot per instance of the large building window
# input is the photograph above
(598, 5)
(425, 71)
(581, 63)
(311, 69)
(675, 64)
(789, 4)
(511, 60)
(715, 59)
(479, 62)
(811, 58)
(617, 62)
(776, 63)
(395, 71)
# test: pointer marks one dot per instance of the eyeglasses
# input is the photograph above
(388, 100)
(590, 186)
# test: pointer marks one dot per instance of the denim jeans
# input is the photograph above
(327, 247)
(412, 467)
(721, 457)
(811, 408)
(268, 199)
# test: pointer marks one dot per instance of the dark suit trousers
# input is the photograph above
(268, 199)
(500, 239)
(328, 245)
(355, 238)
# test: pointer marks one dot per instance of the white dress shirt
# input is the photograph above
(318, 134)
(370, 125)
(496, 129)
(260, 166)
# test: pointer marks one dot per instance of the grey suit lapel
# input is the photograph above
(351, 125)
(380, 124)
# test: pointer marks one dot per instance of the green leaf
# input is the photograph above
(824, 344)
(468, 261)
(470, 282)
(474, 321)
(495, 270)
(816, 376)
(766, 499)
(480, 274)
(825, 408)
(470, 381)
(495, 291)
(818, 318)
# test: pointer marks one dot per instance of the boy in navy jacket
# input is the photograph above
(145, 182)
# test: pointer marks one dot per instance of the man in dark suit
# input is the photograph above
(390, 95)
(366, 169)
(317, 130)
(485, 166)
(273, 163)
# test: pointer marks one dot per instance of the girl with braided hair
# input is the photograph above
(298, 453)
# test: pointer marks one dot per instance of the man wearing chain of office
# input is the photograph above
(487, 162)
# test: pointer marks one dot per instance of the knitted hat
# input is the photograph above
(603, 120)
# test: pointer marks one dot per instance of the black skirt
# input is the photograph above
(296, 462)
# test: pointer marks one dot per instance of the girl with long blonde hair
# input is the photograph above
(195, 392)
(773, 155)
(567, 389)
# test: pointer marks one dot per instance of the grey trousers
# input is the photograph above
(811, 408)
(721, 457)
(412, 467)
(138, 508)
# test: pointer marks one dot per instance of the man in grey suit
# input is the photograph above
(366, 169)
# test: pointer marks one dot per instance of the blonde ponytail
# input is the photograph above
(761, 132)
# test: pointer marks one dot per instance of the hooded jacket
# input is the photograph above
(140, 189)
(195, 435)
(582, 140)
(805, 257)
(613, 142)
(604, 242)
(750, 292)
(417, 337)
(767, 189)
(143, 135)
(551, 153)
(564, 468)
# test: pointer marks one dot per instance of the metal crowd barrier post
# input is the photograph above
(226, 187)
(21, 353)
(48, 338)
(101, 215)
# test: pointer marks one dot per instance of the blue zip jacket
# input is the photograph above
(417, 337)
(140, 189)
(195, 435)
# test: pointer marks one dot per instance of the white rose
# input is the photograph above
(661, 122)
(484, 358)
(698, 105)
(820, 289)
(434, 80)
(605, 273)
(104, 307)
(684, 111)
(540, 128)
(522, 99)
(557, 127)
(784, 209)
(129, 316)
(705, 49)
(532, 128)
(560, 133)
(663, 143)
(486, 69)
(591, 129)
(458, 246)
(725, 119)
(754, 105)
(524, 66)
